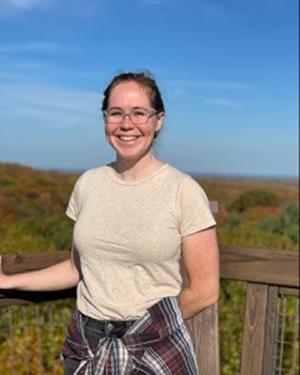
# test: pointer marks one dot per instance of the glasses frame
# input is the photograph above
(150, 113)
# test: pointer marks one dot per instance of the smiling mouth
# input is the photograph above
(128, 138)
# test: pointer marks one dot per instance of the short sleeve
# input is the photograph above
(73, 207)
(193, 208)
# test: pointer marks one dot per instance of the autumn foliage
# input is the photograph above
(252, 213)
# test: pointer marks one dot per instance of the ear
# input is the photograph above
(160, 121)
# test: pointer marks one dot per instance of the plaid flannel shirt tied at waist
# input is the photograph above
(123, 355)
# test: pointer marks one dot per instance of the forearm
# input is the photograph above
(191, 302)
(60, 276)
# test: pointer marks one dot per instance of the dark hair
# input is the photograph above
(144, 79)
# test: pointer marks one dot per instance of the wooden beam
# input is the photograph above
(260, 265)
(32, 261)
(289, 291)
(255, 265)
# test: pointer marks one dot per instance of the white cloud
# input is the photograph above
(20, 71)
(210, 85)
(177, 92)
(80, 7)
(52, 105)
(199, 88)
(25, 4)
(4, 75)
(225, 103)
(8, 6)
(36, 46)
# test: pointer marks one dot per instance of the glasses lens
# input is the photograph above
(114, 116)
(139, 116)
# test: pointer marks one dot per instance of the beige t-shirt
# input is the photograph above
(128, 236)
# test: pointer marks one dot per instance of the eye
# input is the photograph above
(115, 113)
(139, 113)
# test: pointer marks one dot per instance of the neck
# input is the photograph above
(129, 170)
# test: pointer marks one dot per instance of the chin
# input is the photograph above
(129, 157)
(132, 156)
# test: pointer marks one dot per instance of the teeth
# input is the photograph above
(128, 138)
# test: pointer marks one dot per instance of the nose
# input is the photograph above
(126, 122)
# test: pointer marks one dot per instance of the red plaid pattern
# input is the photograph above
(158, 343)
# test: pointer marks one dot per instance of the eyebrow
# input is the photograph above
(137, 107)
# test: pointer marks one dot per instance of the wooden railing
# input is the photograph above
(268, 275)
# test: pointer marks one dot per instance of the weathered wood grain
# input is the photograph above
(254, 329)
(204, 328)
(268, 273)
(289, 291)
(260, 265)
(255, 265)
(269, 360)
(32, 261)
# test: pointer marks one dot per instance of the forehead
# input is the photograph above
(129, 94)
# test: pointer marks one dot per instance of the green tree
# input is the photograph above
(255, 197)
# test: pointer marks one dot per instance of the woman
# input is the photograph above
(134, 219)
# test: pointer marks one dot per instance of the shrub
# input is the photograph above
(252, 198)
(286, 224)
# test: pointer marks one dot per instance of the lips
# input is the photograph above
(128, 140)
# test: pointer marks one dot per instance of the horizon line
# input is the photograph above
(206, 174)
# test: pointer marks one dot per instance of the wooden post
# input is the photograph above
(271, 331)
(254, 329)
(204, 328)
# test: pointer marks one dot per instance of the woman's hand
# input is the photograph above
(201, 260)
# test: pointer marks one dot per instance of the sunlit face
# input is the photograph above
(130, 141)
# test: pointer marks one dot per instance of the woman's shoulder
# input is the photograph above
(186, 185)
(179, 176)
(93, 172)
(90, 176)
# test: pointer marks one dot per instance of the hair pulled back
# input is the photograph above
(142, 78)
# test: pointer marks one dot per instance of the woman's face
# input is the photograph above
(130, 141)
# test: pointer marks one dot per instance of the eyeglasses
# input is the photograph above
(138, 116)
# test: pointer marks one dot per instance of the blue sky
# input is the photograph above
(228, 72)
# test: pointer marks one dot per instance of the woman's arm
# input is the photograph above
(63, 275)
(201, 260)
